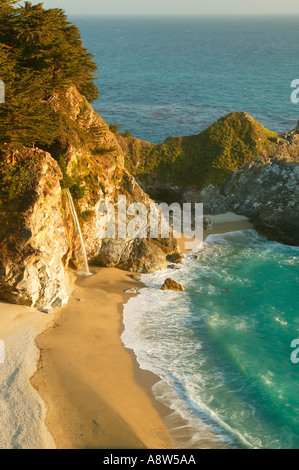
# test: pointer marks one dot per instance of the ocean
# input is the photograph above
(175, 76)
(222, 347)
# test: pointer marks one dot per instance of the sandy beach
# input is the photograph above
(95, 394)
(22, 409)
(89, 381)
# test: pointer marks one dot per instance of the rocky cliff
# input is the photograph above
(98, 164)
(266, 190)
(199, 160)
(35, 247)
(254, 171)
(234, 165)
(37, 238)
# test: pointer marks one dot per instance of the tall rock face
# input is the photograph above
(34, 247)
(97, 162)
(37, 235)
(130, 253)
(266, 190)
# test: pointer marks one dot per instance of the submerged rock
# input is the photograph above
(170, 284)
(173, 266)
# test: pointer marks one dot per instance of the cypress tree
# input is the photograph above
(41, 55)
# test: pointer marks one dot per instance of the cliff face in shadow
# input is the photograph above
(266, 190)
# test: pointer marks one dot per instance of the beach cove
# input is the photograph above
(95, 394)
(77, 373)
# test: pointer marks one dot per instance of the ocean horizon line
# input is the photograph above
(187, 16)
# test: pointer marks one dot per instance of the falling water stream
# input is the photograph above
(86, 271)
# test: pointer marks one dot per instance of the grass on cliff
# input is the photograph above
(16, 180)
(207, 158)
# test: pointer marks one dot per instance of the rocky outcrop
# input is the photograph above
(165, 170)
(99, 164)
(35, 246)
(170, 284)
(37, 237)
(138, 255)
(266, 190)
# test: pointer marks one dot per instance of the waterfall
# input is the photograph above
(86, 271)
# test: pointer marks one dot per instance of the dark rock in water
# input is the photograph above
(175, 258)
(173, 266)
(170, 284)
(196, 256)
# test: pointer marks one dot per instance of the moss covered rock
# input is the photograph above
(207, 158)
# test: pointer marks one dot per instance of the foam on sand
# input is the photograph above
(22, 409)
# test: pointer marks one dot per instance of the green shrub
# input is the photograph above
(103, 150)
(78, 190)
(127, 133)
(114, 127)
(87, 215)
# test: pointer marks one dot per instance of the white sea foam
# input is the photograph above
(22, 409)
(141, 315)
(203, 428)
(173, 334)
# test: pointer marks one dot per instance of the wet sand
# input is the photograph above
(95, 393)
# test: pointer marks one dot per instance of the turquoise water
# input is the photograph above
(175, 76)
(224, 344)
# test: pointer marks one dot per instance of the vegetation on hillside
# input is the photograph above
(41, 56)
(207, 158)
